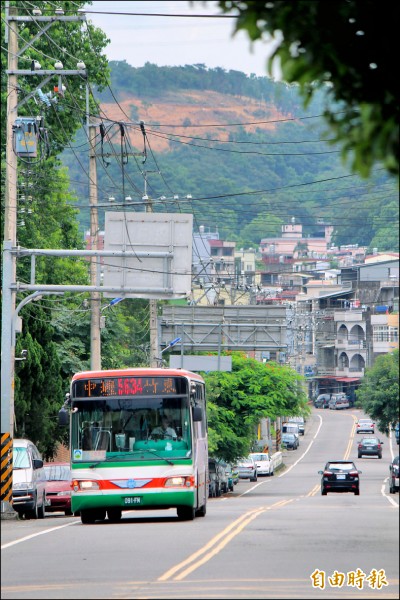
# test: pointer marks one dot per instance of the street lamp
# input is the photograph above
(173, 343)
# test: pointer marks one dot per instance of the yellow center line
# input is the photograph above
(213, 547)
(351, 440)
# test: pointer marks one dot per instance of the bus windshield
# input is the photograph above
(130, 428)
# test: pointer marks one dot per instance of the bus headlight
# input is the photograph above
(88, 485)
(179, 482)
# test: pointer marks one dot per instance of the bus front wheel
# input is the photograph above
(186, 513)
(88, 517)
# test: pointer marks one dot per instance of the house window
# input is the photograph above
(381, 333)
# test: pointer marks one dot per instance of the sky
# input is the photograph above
(177, 41)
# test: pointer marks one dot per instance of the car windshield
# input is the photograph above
(369, 441)
(260, 457)
(288, 436)
(365, 421)
(20, 458)
(341, 466)
(58, 473)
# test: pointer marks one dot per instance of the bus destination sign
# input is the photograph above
(124, 386)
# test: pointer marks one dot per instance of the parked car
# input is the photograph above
(394, 475)
(216, 473)
(229, 475)
(223, 477)
(29, 480)
(322, 401)
(247, 469)
(370, 446)
(340, 476)
(265, 465)
(58, 487)
(291, 428)
(299, 422)
(290, 440)
(397, 433)
(365, 426)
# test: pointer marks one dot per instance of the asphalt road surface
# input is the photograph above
(277, 538)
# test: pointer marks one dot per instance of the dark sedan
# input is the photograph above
(370, 446)
(340, 476)
(290, 440)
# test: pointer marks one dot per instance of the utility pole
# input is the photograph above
(152, 303)
(10, 228)
(95, 337)
(10, 238)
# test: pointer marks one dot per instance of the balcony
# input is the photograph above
(344, 343)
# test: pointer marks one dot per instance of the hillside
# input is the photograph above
(203, 108)
(244, 149)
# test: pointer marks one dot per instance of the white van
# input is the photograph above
(291, 428)
(29, 480)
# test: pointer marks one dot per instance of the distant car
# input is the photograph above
(365, 426)
(290, 440)
(340, 476)
(58, 487)
(370, 446)
(397, 433)
(291, 428)
(229, 475)
(322, 401)
(223, 477)
(247, 469)
(265, 465)
(217, 478)
(338, 402)
(299, 422)
(394, 475)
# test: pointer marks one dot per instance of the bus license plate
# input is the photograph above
(132, 500)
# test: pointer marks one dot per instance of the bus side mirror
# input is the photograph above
(63, 417)
(197, 413)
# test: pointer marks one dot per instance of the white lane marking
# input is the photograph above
(386, 495)
(33, 535)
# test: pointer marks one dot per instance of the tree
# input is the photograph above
(378, 394)
(346, 47)
(239, 399)
(50, 221)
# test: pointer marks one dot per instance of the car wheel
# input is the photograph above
(357, 492)
(391, 489)
(272, 473)
(379, 455)
(359, 455)
(324, 492)
(34, 513)
(41, 509)
(68, 512)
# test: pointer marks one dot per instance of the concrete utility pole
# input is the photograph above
(10, 238)
(152, 303)
(95, 341)
(10, 228)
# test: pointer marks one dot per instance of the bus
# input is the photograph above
(122, 458)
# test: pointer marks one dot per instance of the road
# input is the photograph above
(277, 538)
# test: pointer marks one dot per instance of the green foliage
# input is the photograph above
(378, 394)
(239, 399)
(349, 45)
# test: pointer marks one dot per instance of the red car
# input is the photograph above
(58, 487)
